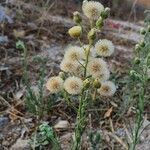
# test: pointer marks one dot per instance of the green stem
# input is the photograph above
(67, 99)
(81, 119)
(81, 115)
(139, 120)
(81, 44)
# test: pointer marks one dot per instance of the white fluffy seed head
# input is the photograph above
(107, 89)
(74, 53)
(104, 48)
(69, 66)
(73, 85)
(105, 75)
(54, 84)
(92, 9)
(97, 67)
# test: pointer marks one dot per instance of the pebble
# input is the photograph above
(62, 124)
(21, 145)
(3, 121)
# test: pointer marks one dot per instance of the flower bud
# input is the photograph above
(137, 47)
(97, 83)
(92, 35)
(75, 31)
(62, 75)
(86, 83)
(76, 17)
(99, 23)
(134, 75)
(142, 44)
(105, 13)
(137, 60)
(143, 31)
(107, 10)
(132, 72)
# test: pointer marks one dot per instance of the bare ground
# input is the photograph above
(46, 35)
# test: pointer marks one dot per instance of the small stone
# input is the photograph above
(19, 94)
(3, 121)
(142, 138)
(62, 124)
(20, 145)
(120, 132)
(3, 39)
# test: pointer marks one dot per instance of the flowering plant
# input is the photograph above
(140, 75)
(84, 69)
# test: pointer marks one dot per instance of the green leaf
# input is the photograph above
(20, 45)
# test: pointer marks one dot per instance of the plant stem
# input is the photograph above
(141, 98)
(94, 94)
(81, 119)
(81, 115)
(139, 120)
(67, 99)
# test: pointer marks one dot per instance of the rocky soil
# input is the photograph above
(15, 122)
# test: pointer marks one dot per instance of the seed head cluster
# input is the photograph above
(85, 62)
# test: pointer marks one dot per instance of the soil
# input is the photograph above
(44, 31)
